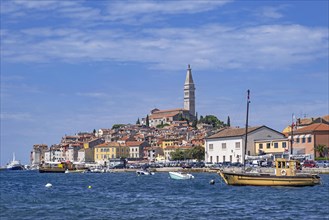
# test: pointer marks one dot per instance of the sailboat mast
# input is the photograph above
(292, 135)
(246, 137)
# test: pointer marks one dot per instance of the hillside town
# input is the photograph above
(156, 137)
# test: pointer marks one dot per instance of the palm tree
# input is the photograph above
(322, 150)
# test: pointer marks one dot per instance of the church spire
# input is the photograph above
(189, 92)
(189, 79)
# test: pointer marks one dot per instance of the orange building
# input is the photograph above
(307, 138)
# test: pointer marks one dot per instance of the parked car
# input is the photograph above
(209, 164)
(186, 165)
(226, 164)
(237, 164)
(322, 163)
(119, 166)
(309, 163)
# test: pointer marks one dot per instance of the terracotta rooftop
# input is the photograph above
(133, 143)
(233, 132)
(314, 127)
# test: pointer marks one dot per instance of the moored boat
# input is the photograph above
(144, 173)
(180, 176)
(286, 171)
(14, 164)
(286, 174)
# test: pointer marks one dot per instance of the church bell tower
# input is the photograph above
(189, 92)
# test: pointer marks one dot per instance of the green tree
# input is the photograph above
(147, 121)
(322, 150)
(228, 121)
(94, 132)
(197, 152)
(194, 124)
(177, 155)
(201, 119)
(213, 120)
(116, 126)
(138, 122)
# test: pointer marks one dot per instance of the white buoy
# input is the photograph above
(212, 182)
(48, 185)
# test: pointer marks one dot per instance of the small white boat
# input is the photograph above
(180, 176)
(144, 172)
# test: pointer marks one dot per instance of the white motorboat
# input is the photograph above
(14, 164)
(180, 176)
(144, 172)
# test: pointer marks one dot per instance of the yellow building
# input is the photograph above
(275, 146)
(169, 142)
(110, 150)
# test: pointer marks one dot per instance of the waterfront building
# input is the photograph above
(151, 153)
(136, 149)
(168, 150)
(105, 151)
(228, 144)
(303, 122)
(307, 138)
(37, 155)
(276, 147)
(72, 152)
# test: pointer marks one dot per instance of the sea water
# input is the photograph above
(128, 196)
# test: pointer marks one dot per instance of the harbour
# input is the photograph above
(125, 195)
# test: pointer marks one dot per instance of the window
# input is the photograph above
(268, 145)
(231, 158)
(260, 146)
(276, 145)
(211, 147)
(237, 145)
(284, 144)
(303, 140)
(217, 159)
(224, 146)
(297, 140)
(210, 159)
(309, 139)
(223, 158)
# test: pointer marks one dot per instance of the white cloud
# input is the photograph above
(92, 94)
(16, 116)
(207, 47)
(271, 12)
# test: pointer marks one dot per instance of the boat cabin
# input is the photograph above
(285, 167)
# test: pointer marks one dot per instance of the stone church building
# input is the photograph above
(158, 117)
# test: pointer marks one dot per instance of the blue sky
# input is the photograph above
(70, 66)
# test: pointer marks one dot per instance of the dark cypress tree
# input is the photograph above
(138, 122)
(228, 121)
(147, 121)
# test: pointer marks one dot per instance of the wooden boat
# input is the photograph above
(286, 171)
(286, 174)
(60, 167)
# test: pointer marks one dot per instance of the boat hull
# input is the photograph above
(15, 168)
(52, 170)
(245, 179)
(180, 176)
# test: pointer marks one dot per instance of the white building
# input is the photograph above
(228, 144)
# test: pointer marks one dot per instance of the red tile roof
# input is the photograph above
(314, 127)
(233, 132)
